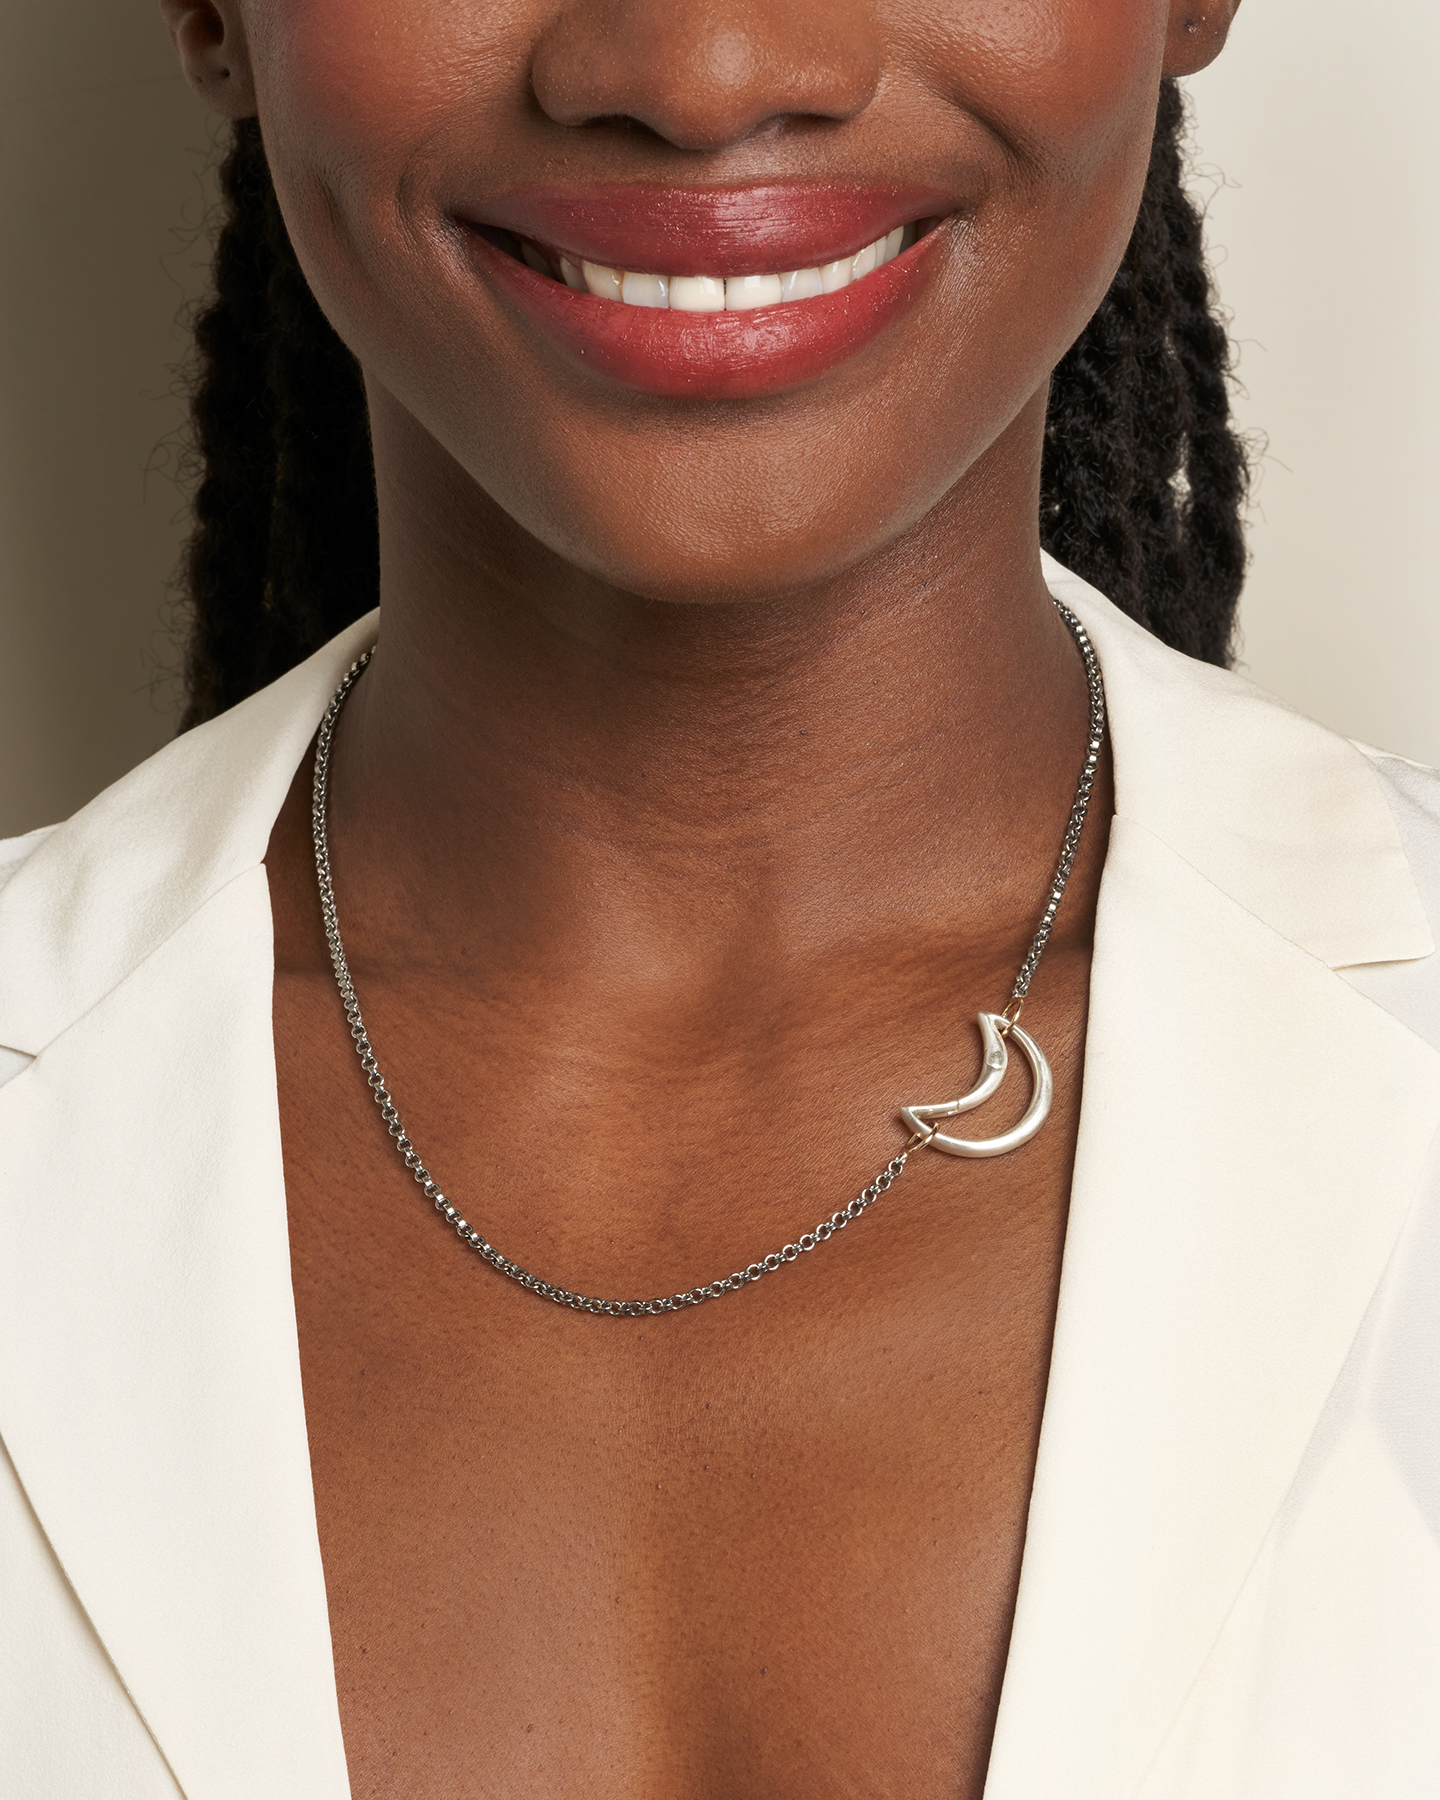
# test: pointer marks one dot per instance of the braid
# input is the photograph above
(285, 549)
(1142, 484)
(1144, 477)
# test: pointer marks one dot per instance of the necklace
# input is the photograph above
(996, 1030)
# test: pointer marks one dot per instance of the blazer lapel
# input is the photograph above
(150, 1391)
(1253, 1133)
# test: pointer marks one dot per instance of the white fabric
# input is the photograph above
(1354, 1553)
(13, 852)
(1231, 1583)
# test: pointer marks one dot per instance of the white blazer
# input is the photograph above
(1231, 1581)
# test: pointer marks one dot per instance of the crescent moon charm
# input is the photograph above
(994, 1030)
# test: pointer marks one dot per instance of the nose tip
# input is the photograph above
(704, 74)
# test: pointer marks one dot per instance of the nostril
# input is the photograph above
(622, 122)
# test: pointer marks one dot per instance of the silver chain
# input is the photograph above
(808, 1240)
(1096, 686)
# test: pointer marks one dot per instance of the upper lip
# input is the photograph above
(750, 230)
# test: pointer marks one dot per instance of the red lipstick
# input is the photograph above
(717, 232)
(711, 231)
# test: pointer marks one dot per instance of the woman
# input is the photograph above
(709, 778)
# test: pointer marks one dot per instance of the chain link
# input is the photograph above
(808, 1240)
(1095, 684)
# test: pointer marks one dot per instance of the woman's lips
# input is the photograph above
(716, 233)
(710, 230)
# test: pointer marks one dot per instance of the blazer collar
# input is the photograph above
(1274, 810)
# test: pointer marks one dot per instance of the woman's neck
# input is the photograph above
(547, 768)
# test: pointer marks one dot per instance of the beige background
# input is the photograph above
(1327, 135)
(1323, 116)
(101, 145)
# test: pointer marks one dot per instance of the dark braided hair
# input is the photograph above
(1142, 485)
(1144, 478)
(285, 551)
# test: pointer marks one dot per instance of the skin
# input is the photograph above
(709, 778)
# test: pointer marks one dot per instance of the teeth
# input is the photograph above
(743, 293)
(602, 281)
(801, 284)
(714, 293)
(645, 290)
(697, 293)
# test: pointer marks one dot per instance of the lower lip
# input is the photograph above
(711, 356)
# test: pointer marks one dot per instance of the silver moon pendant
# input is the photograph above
(994, 1030)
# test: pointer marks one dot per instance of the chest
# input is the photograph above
(667, 1574)
(767, 1547)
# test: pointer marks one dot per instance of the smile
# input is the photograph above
(709, 294)
(714, 293)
